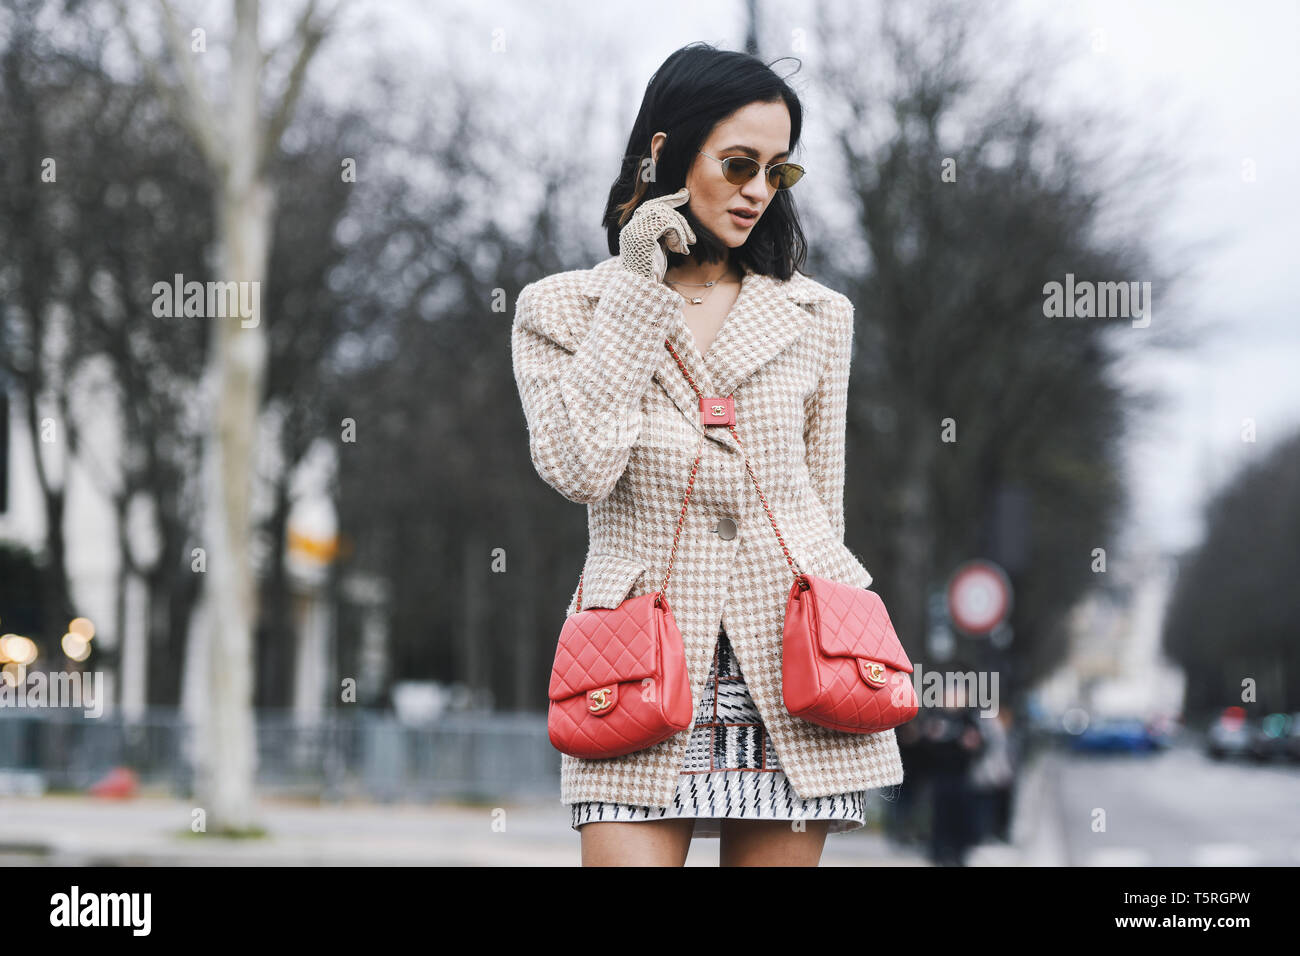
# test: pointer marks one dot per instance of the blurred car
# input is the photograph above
(1270, 737)
(1229, 735)
(1117, 734)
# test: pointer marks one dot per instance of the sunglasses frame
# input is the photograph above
(761, 167)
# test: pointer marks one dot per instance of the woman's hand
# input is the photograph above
(654, 223)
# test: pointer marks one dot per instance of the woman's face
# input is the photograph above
(758, 130)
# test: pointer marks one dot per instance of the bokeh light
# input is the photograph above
(76, 646)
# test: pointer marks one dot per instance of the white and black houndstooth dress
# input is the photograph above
(730, 769)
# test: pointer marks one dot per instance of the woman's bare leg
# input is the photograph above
(643, 843)
(772, 842)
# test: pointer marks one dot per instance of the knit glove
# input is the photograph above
(639, 241)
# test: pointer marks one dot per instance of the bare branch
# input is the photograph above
(202, 120)
(168, 91)
(311, 29)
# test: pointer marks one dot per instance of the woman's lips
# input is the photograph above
(744, 222)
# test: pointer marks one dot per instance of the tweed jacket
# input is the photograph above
(614, 424)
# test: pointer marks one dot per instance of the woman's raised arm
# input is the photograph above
(581, 392)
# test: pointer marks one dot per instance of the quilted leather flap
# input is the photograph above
(854, 623)
(602, 646)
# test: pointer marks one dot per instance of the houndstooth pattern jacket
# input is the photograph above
(614, 424)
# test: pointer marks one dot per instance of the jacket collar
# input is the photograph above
(766, 318)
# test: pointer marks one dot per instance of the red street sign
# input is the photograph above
(979, 597)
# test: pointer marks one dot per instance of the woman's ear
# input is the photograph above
(656, 146)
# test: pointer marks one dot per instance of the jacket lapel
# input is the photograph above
(765, 319)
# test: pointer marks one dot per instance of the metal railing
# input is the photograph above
(361, 754)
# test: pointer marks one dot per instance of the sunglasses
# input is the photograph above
(739, 170)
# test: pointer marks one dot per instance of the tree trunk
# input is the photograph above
(229, 744)
(275, 658)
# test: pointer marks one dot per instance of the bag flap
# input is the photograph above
(853, 622)
(604, 646)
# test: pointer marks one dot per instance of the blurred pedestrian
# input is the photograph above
(991, 777)
(954, 742)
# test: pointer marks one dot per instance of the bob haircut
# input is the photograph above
(696, 88)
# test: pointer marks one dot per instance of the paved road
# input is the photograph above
(1176, 808)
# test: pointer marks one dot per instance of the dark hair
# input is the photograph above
(696, 88)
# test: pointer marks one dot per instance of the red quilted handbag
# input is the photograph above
(842, 665)
(619, 682)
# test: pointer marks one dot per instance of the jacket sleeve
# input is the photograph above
(827, 413)
(581, 387)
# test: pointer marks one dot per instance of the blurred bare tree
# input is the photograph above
(237, 141)
(967, 199)
(102, 195)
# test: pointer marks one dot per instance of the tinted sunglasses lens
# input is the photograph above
(739, 170)
(784, 175)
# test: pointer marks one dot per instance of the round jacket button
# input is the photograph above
(726, 528)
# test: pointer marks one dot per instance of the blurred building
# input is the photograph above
(1116, 667)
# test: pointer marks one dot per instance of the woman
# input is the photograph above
(615, 422)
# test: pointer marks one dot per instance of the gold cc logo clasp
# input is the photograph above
(874, 672)
(599, 699)
(719, 409)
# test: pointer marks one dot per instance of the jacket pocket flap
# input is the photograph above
(833, 559)
(851, 625)
(600, 646)
(606, 580)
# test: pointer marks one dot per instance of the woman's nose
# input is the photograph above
(757, 190)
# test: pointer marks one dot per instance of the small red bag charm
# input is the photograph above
(717, 411)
